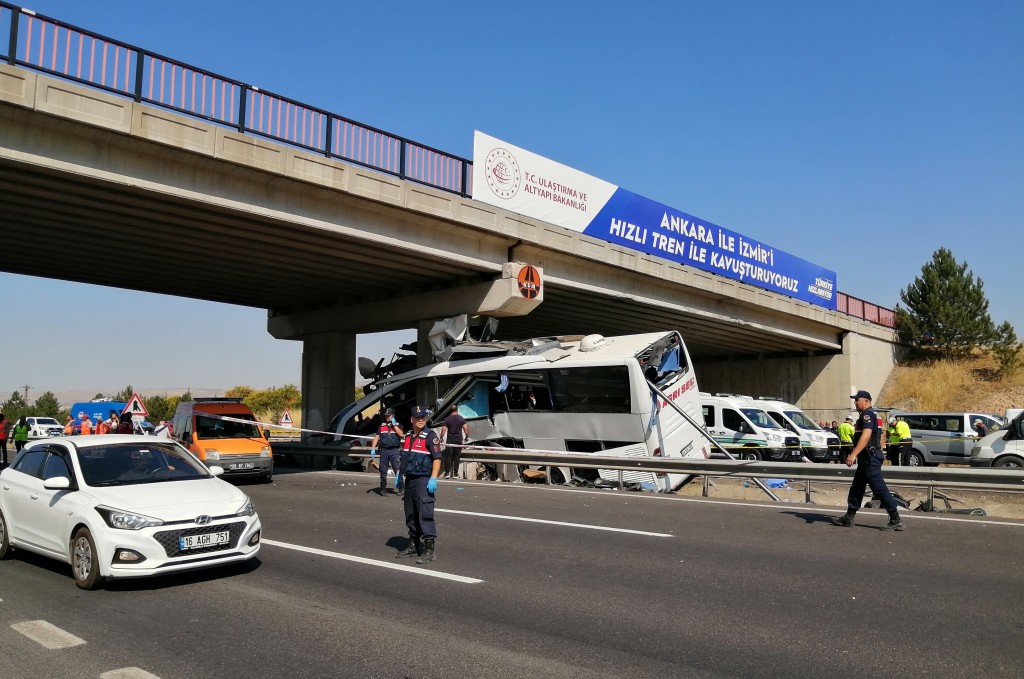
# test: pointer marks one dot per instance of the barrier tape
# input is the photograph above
(478, 447)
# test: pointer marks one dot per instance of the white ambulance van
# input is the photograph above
(819, 445)
(741, 426)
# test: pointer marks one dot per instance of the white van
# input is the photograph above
(575, 394)
(1003, 448)
(819, 445)
(741, 426)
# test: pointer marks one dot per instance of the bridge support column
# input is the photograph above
(328, 377)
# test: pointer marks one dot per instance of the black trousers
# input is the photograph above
(419, 508)
(451, 458)
(869, 473)
(3, 450)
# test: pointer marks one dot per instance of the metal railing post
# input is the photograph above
(243, 96)
(329, 138)
(807, 491)
(401, 158)
(464, 192)
(12, 45)
(707, 485)
(547, 472)
(140, 68)
(708, 436)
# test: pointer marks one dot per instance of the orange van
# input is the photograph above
(223, 432)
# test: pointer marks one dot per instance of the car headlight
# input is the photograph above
(212, 454)
(774, 438)
(817, 438)
(117, 518)
(246, 509)
(265, 451)
(975, 451)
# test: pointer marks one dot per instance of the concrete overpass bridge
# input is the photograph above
(337, 228)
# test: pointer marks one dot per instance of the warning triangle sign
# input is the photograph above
(285, 419)
(135, 406)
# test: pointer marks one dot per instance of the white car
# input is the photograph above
(122, 506)
(43, 427)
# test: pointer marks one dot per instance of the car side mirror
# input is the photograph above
(57, 483)
(217, 470)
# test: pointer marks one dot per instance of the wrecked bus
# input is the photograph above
(575, 394)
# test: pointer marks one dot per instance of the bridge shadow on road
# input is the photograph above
(811, 517)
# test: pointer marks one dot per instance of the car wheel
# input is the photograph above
(751, 455)
(267, 478)
(85, 565)
(1013, 462)
(5, 542)
(915, 460)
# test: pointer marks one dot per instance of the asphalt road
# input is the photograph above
(717, 589)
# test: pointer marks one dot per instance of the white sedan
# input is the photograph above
(120, 506)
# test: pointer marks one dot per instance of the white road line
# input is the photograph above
(652, 497)
(47, 635)
(128, 673)
(556, 523)
(418, 570)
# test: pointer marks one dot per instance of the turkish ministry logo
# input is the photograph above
(529, 282)
(503, 173)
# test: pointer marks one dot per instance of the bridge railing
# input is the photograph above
(57, 48)
(52, 46)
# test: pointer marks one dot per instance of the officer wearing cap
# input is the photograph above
(867, 453)
(389, 441)
(420, 467)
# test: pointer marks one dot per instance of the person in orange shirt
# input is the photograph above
(69, 426)
(86, 426)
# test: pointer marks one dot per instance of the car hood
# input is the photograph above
(173, 500)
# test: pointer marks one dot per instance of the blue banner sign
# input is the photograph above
(523, 182)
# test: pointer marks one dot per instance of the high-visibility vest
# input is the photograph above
(86, 426)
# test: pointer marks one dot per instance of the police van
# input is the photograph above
(574, 394)
(741, 426)
(819, 445)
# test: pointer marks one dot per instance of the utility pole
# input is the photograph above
(26, 388)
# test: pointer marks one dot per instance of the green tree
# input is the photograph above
(14, 407)
(947, 310)
(160, 408)
(47, 405)
(241, 392)
(1006, 349)
(98, 397)
(272, 402)
(125, 394)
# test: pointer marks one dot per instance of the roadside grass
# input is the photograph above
(944, 385)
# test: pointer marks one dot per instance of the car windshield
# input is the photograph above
(143, 462)
(209, 427)
(47, 421)
(801, 420)
(760, 418)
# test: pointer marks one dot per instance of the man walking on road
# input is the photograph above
(420, 467)
(455, 432)
(867, 453)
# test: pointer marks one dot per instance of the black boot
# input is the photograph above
(414, 548)
(846, 520)
(428, 551)
(383, 488)
(895, 522)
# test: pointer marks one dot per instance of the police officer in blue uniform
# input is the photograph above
(420, 467)
(868, 454)
(389, 441)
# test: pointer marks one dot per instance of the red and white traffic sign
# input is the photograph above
(286, 419)
(136, 407)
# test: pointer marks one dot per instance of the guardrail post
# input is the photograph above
(547, 473)
(12, 45)
(931, 498)
(140, 68)
(330, 135)
(707, 485)
(620, 480)
(243, 95)
(807, 491)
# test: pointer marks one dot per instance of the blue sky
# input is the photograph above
(858, 136)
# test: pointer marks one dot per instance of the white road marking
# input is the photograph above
(653, 497)
(128, 673)
(556, 523)
(47, 635)
(418, 570)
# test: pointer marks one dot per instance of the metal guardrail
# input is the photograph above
(929, 477)
(65, 51)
